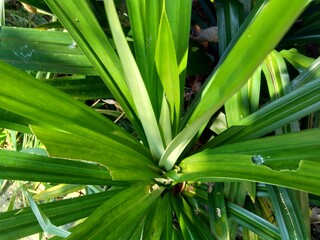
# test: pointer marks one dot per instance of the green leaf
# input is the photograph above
(81, 87)
(308, 75)
(167, 67)
(43, 220)
(179, 16)
(224, 82)
(50, 106)
(123, 162)
(287, 213)
(14, 121)
(258, 160)
(81, 23)
(144, 21)
(49, 51)
(191, 225)
(31, 167)
(156, 218)
(293, 106)
(22, 222)
(136, 84)
(211, 98)
(286, 157)
(277, 76)
(253, 222)
(57, 191)
(296, 59)
(218, 212)
(112, 219)
(254, 84)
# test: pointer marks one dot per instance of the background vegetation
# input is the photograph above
(118, 119)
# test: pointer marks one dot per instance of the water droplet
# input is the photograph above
(257, 159)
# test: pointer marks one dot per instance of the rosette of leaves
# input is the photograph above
(165, 180)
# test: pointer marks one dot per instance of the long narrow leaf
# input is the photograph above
(50, 51)
(22, 222)
(31, 167)
(111, 219)
(259, 160)
(83, 26)
(287, 213)
(167, 68)
(293, 106)
(224, 82)
(122, 161)
(43, 220)
(135, 84)
(262, 227)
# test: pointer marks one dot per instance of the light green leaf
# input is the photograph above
(43, 220)
(57, 191)
(167, 67)
(277, 76)
(296, 59)
(135, 84)
(165, 122)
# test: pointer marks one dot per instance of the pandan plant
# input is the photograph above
(236, 160)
